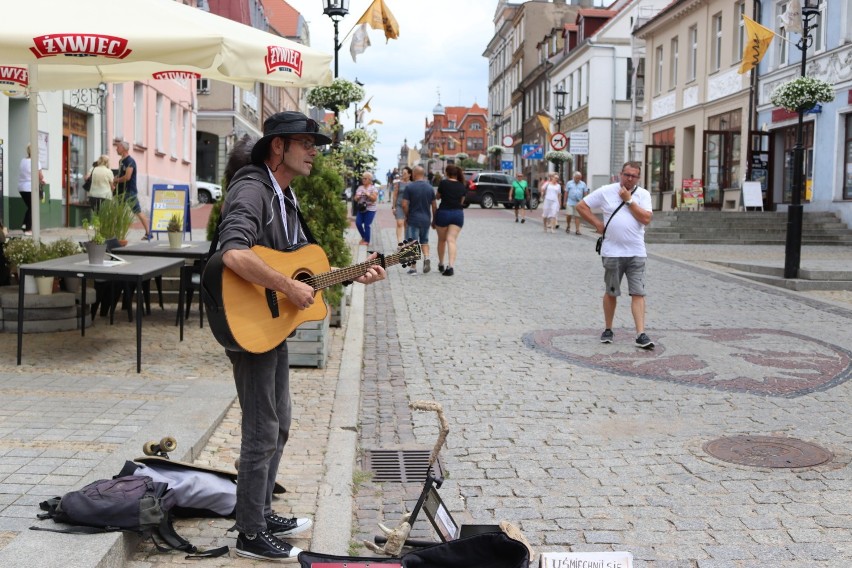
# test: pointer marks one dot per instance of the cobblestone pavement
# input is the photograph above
(591, 447)
(587, 446)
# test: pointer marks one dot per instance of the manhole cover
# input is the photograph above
(767, 451)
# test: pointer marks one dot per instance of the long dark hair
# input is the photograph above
(455, 172)
(240, 156)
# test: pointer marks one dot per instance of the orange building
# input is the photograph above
(453, 131)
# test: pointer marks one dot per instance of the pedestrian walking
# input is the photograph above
(261, 209)
(550, 190)
(417, 200)
(518, 197)
(399, 186)
(626, 210)
(125, 184)
(101, 176)
(25, 186)
(449, 217)
(365, 199)
(575, 190)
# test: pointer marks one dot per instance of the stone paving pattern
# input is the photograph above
(578, 456)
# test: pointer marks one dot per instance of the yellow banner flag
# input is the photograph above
(375, 121)
(545, 122)
(367, 105)
(757, 42)
(379, 17)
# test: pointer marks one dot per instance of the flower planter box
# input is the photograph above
(309, 345)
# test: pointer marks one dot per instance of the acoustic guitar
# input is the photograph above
(247, 317)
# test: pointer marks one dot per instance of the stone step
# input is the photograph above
(778, 271)
(799, 284)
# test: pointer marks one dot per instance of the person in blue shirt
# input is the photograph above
(575, 190)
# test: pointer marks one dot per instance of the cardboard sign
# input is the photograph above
(586, 560)
(168, 200)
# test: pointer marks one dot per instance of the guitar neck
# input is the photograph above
(328, 279)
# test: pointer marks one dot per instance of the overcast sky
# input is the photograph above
(439, 48)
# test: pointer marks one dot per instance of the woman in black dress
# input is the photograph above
(448, 219)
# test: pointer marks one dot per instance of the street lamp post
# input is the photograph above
(793, 246)
(560, 110)
(461, 143)
(495, 120)
(336, 10)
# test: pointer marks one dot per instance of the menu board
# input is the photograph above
(168, 200)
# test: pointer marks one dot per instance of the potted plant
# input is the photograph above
(44, 284)
(175, 230)
(802, 93)
(96, 245)
(19, 252)
(116, 216)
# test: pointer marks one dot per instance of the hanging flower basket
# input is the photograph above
(462, 156)
(802, 93)
(495, 150)
(337, 96)
(557, 156)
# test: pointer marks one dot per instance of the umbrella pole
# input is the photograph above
(35, 200)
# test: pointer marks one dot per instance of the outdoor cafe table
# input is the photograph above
(136, 270)
(190, 250)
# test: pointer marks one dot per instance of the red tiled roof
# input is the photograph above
(283, 18)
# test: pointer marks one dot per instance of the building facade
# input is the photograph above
(827, 132)
(454, 133)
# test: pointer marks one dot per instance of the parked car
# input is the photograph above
(492, 188)
(208, 192)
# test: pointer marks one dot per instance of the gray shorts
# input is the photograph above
(615, 267)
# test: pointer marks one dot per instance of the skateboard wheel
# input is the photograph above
(150, 448)
(168, 444)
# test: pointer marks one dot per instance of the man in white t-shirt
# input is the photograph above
(623, 250)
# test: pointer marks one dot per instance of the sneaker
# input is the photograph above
(412, 270)
(556, 227)
(279, 526)
(441, 268)
(448, 271)
(644, 341)
(28, 233)
(266, 546)
(606, 336)
(427, 266)
(523, 220)
(516, 219)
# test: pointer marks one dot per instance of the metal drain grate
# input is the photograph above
(767, 451)
(400, 466)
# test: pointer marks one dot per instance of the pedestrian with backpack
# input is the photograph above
(518, 196)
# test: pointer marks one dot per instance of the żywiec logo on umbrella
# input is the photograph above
(176, 75)
(14, 75)
(283, 59)
(80, 45)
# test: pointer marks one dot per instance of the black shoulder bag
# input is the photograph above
(599, 243)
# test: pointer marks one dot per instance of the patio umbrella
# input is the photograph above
(47, 45)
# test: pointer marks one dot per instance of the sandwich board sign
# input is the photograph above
(586, 560)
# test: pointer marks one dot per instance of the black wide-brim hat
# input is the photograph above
(285, 123)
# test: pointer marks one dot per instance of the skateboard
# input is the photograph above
(158, 453)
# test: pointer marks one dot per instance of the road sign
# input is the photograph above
(507, 165)
(532, 152)
(508, 141)
(579, 143)
(558, 141)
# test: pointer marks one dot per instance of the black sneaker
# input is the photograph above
(448, 271)
(643, 341)
(266, 546)
(441, 268)
(279, 526)
(606, 336)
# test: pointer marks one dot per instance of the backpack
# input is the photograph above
(133, 503)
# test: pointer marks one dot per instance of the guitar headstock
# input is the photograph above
(408, 252)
